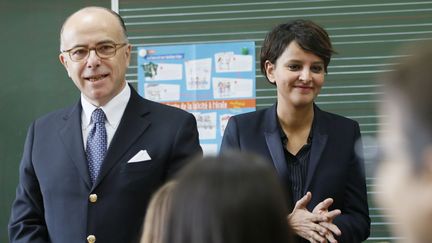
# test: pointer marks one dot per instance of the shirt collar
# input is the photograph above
(113, 110)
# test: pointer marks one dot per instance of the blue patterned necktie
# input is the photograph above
(96, 143)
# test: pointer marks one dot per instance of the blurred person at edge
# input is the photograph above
(313, 151)
(404, 174)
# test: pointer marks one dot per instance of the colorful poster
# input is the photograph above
(211, 81)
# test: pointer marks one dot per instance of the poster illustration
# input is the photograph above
(211, 81)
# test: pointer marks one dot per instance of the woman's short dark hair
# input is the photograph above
(234, 198)
(309, 36)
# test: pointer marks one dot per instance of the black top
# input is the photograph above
(297, 165)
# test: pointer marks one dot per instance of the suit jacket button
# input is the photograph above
(93, 198)
(91, 239)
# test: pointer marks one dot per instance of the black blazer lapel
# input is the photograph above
(319, 142)
(132, 125)
(274, 143)
(71, 136)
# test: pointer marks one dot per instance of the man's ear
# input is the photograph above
(128, 53)
(63, 61)
(269, 69)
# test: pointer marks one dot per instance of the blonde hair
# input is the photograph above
(157, 213)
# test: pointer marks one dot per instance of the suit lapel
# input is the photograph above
(274, 144)
(132, 125)
(71, 136)
(319, 142)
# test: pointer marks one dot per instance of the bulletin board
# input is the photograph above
(212, 81)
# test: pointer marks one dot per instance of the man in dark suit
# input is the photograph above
(88, 171)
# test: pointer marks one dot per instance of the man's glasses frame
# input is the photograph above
(103, 50)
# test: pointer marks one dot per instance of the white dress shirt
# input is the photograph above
(114, 110)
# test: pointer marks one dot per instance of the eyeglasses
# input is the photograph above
(105, 50)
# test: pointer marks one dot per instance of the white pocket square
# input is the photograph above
(140, 157)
